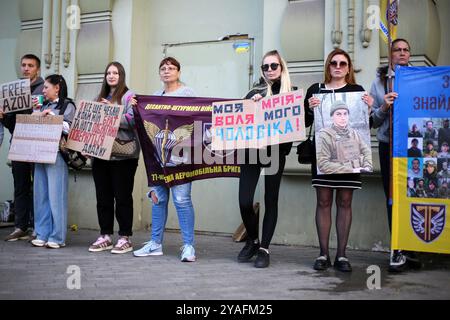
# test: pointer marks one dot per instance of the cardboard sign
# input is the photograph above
(94, 128)
(15, 96)
(243, 124)
(36, 138)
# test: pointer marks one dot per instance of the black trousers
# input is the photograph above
(114, 181)
(23, 194)
(247, 185)
(385, 166)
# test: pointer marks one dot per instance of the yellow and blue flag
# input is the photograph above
(421, 161)
(388, 20)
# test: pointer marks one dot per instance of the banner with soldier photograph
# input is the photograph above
(342, 134)
(421, 179)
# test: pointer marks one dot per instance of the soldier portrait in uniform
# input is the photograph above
(342, 134)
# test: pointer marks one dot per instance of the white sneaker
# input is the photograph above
(150, 249)
(188, 253)
(38, 243)
(54, 245)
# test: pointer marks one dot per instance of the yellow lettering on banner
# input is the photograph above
(200, 172)
(233, 169)
(180, 175)
(169, 178)
(158, 107)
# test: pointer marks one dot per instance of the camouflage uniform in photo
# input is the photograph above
(341, 151)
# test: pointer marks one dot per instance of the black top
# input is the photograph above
(315, 89)
(345, 180)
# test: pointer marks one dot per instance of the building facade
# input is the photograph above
(220, 45)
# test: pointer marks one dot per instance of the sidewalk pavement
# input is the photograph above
(27, 272)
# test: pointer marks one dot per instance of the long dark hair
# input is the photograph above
(121, 88)
(349, 77)
(56, 79)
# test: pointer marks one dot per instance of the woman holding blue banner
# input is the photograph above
(384, 99)
(114, 178)
(275, 79)
(339, 77)
(169, 72)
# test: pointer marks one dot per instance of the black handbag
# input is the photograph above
(74, 159)
(305, 150)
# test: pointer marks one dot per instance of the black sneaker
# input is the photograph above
(250, 249)
(342, 264)
(262, 259)
(397, 262)
(322, 263)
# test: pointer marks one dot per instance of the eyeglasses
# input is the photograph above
(400, 50)
(164, 69)
(273, 66)
(338, 64)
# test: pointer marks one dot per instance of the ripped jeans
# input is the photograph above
(183, 204)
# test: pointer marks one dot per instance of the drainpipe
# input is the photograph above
(47, 33)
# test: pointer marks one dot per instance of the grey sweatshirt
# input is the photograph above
(379, 117)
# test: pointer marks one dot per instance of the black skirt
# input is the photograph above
(336, 181)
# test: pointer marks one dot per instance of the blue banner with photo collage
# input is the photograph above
(421, 176)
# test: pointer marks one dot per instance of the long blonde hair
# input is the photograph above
(285, 78)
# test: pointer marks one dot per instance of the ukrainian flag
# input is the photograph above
(421, 201)
(388, 15)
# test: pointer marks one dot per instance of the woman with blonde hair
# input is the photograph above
(275, 80)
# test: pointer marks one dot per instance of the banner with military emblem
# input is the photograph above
(421, 176)
(175, 136)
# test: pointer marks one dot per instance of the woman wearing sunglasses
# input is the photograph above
(339, 77)
(275, 79)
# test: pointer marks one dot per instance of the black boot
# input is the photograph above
(262, 259)
(250, 249)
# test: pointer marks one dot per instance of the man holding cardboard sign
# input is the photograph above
(22, 171)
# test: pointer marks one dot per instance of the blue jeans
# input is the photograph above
(50, 200)
(185, 210)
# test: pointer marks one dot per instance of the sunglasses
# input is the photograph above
(339, 64)
(273, 66)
